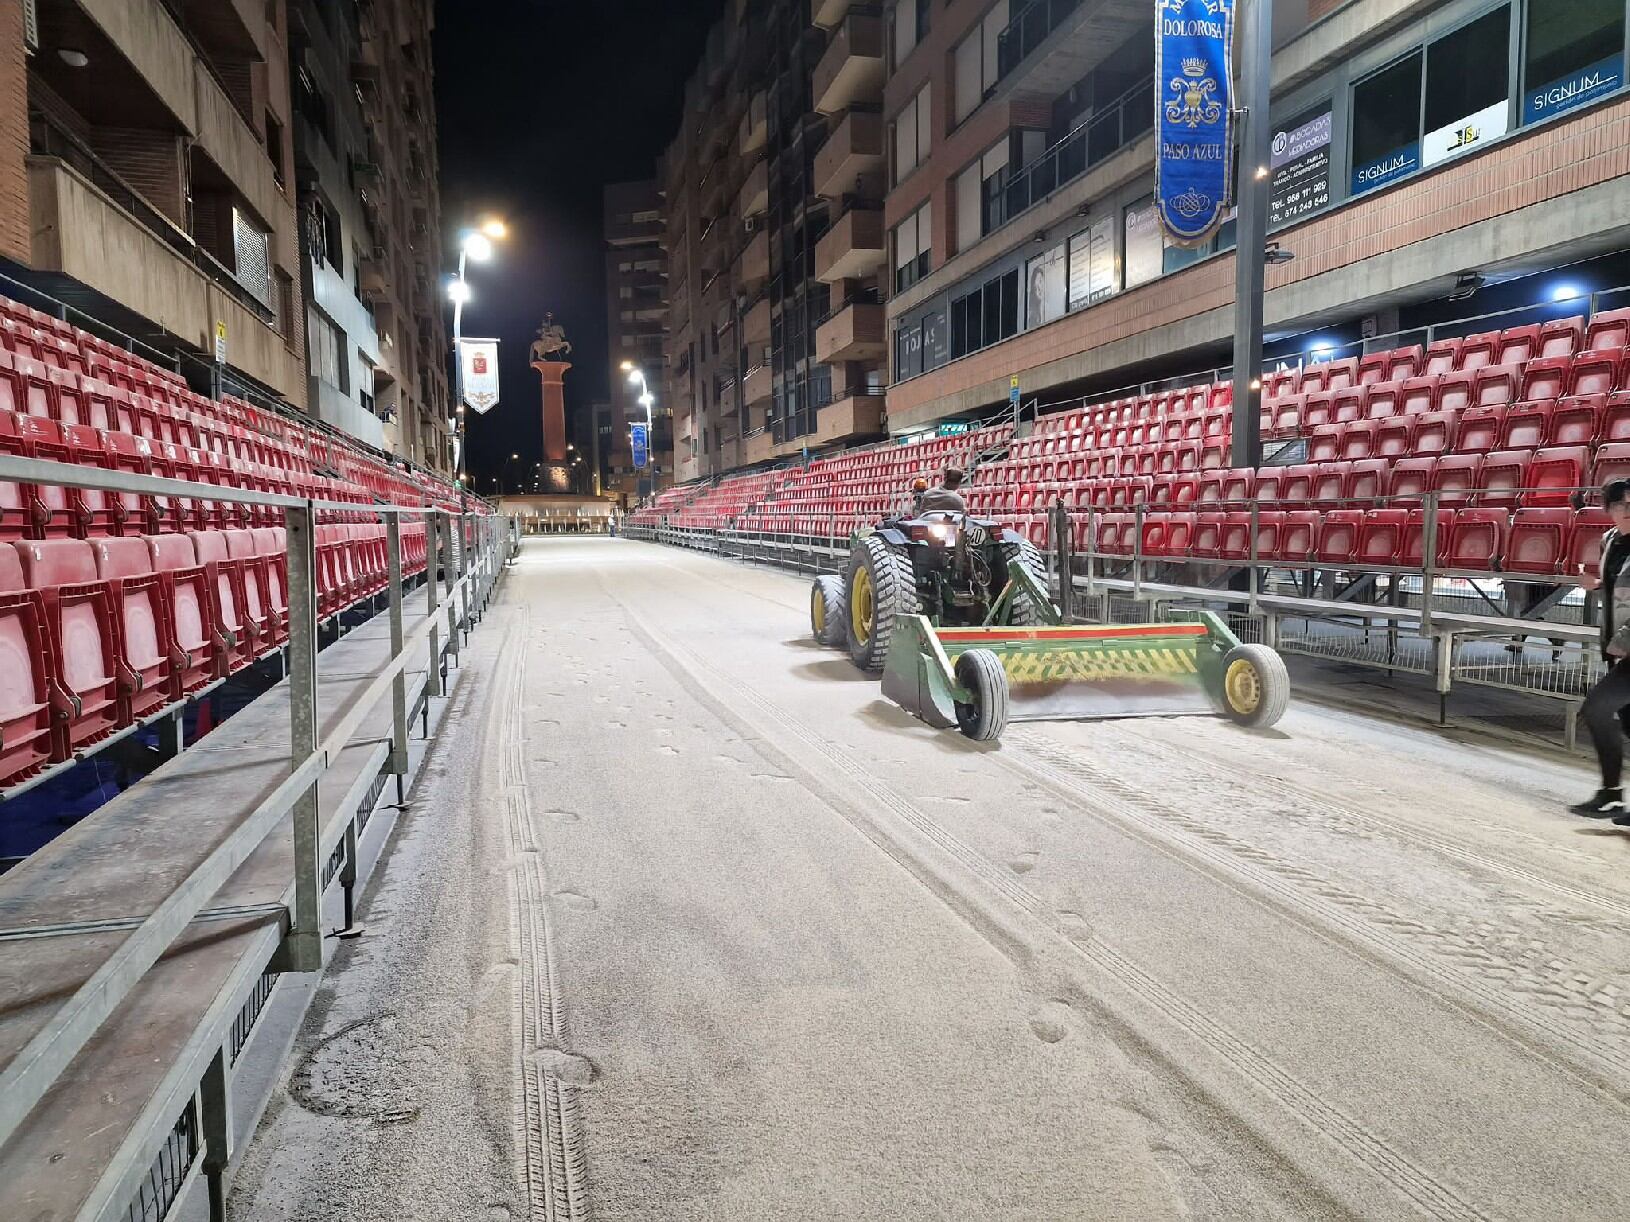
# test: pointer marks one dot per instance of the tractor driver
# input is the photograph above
(945, 497)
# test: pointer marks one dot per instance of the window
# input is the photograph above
(1141, 243)
(251, 246)
(913, 241)
(274, 146)
(973, 219)
(911, 134)
(975, 62)
(1387, 124)
(325, 351)
(1574, 54)
(1468, 87)
(910, 27)
(985, 316)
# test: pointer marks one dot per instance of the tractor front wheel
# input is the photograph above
(1255, 685)
(980, 674)
(1023, 612)
(880, 585)
(827, 608)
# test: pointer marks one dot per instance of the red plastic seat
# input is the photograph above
(1480, 429)
(1341, 374)
(79, 618)
(1383, 400)
(1207, 539)
(1477, 540)
(1503, 476)
(1347, 404)
(1412, 548)
(1554, 473)
(26, 741)
(1381, 537)
(1478, 351)
(1405, 362)
(1595, 372)
(1538, 541)
(1609, 330)
(1527, 425)
(1585, 543)
(1457, 391)
(1329, 479)
(1517, 344)
(1298, 535)
(1435, 433)
(202, 652)
(226, 585)
(1442, 356)
(97, 512)
(1338, 535)
(1615, 422)
(143, 639)
(1561, 337)
(1325, 444)
(1395, 438)
(1575, 421)
(1359, 440)
(1454, 477)
(1318, 409)
(1418, 395)
(1179, 534)
(1546, 378)
(1367, 479)
(1612, 462)
(1373, 368)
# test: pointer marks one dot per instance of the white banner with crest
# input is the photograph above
(480, 373)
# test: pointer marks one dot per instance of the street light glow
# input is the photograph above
(635, 378)
(478, 246)
(495, 229)
(458, 292)
(627, 366)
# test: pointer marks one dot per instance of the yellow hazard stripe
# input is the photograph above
(1087, 665)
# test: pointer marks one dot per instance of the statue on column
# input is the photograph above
(551, 344)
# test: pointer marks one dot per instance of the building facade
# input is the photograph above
(636, 316)
(155, 160)
(774, 235)
(148, 178)
(1414, 146)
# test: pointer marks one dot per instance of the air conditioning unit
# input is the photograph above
(31, 25)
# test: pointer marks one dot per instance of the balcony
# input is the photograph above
(755, 124)
(852, 248)
(1063, 40)
(755, 191)
(371, 272)
(758, 447)
(754, 261)
(755, 386)
(852, 152)
(851, 71)
(829, 12)
(850, 417)
(755, 323)
(113, 242)
(854, 333)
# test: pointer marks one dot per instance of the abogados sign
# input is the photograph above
(1194, 89)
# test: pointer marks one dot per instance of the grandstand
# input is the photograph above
(116, 607)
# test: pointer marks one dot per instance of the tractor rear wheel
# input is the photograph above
(1023, 612)
(828, 605)
(980, 673)
(879, 585)
(1255, 685)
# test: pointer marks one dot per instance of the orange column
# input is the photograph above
(553, 374)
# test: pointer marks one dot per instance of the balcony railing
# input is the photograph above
(1107, 132)
(1027, 30)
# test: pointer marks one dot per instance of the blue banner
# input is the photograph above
(1194, 83)
(1575, 89)
(641, 446)
(1395, 165)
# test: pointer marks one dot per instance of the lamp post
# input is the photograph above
(1251, 233)
(636, 377)
(477, 245)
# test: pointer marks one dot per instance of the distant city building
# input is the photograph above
(636, 318)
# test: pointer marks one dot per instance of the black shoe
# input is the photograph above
(1605, 803)
(1622, 820)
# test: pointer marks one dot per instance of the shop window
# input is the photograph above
(1468, 87)
(1387, 124)
(987, 315)
(1574, 54)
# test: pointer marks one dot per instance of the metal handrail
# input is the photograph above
(27, 1078)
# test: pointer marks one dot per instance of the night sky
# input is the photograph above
(541, 103)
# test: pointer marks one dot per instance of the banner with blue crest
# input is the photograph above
(1194, 91)
(639, 442)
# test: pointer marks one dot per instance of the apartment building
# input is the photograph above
(1419, 146)
(395, 178)
(775, 342)
(147, 178)
(636, 314)
(154, 165)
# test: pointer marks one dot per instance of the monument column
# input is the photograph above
(557, 471)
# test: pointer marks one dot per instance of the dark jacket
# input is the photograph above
(1615, 590)
(942, 499)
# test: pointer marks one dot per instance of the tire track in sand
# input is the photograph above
(960, 876)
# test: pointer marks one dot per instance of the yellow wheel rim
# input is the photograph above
(817, 611)
(1243, 687)
(860, 606)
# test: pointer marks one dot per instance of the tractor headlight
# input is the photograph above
(942, 532)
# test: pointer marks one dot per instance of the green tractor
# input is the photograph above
(956, 613)
(949, 567)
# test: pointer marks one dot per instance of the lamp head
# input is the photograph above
(478, 246)
(458, 292)
(495, 229)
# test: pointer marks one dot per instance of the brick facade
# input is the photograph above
(14, 236)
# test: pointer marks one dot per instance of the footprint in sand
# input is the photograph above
(562, 816)
(665, 749)
(1023, 863)
(1051, 1023)
(577, 900)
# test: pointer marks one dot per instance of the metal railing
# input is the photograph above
(1028, 29)
(459, 580)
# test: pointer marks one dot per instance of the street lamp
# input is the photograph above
(475, 244)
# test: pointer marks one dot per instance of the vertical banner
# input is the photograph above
(1193, 116)
(640, 444)
(480, 374)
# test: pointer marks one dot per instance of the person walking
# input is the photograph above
(1607, 706)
